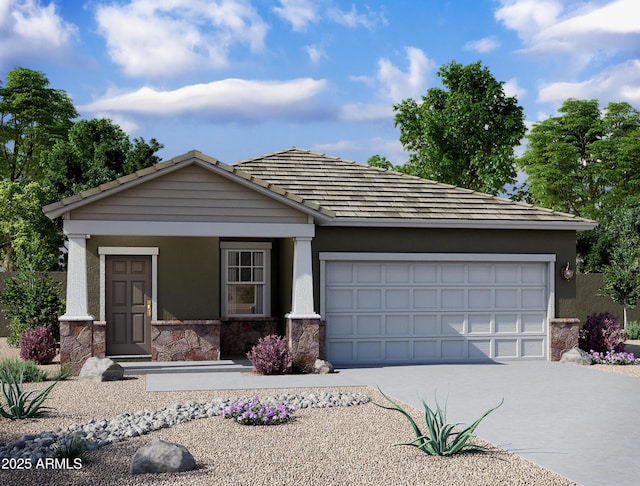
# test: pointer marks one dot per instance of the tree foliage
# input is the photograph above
(33, 117)
(464, 135)
(96, 151)
(584, 160)
(29, 238)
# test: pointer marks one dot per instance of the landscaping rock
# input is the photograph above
(101, 369)
(160, 456)
(322, 367)
(576, 356)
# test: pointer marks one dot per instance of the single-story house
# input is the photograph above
(196, 259)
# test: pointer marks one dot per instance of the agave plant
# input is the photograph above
(440, 438)
(20, 404)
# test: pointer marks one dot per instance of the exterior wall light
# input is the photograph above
(567, 272)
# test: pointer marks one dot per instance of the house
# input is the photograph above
(196, 259)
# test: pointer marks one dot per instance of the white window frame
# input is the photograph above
(265, 247)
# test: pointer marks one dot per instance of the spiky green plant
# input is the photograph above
(20, 404)
(440, 438)
(72, 446)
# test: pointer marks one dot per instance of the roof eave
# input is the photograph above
(581, 225)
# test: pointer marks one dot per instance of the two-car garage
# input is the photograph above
(421, 308)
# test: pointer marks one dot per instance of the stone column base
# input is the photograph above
(76, 344)
(303, 340)
(563, 336)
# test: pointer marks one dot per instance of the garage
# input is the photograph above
(422, 308)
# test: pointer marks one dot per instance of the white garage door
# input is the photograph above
(421, 311)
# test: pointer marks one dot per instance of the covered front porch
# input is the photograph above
(173, 292)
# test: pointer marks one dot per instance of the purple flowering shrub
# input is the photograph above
(256, 412)
(270, 356)
(38, 344)
(612, 358)
(601, 333)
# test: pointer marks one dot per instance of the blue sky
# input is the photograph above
(241, 78)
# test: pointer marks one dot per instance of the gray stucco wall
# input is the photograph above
(417, 240)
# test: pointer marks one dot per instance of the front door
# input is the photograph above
(128, 304)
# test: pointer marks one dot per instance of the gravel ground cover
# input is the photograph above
(332, 446)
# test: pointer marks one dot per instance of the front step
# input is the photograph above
(147, 367)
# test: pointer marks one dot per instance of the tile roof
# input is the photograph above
(355, 191)
(342, 192)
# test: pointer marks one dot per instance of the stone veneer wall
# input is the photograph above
(195, 340)
(239, 334)
(80, 340)
(563, 336)
(304, 341)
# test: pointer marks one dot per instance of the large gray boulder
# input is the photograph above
(576, 356)
(101, 369)
(160, 456)
(322, 367)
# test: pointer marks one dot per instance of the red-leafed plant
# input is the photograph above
(38, 344)
(601, 333)
(270, 356)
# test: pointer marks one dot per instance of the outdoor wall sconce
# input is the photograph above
(567, 272)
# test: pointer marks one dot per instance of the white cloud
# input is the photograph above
(617, 83)
(353, 18)
(169, 37)
(484, 45)
(226, 100)
(299, 13)
(30, 29)
(511, 88)
(392, 85)
(315, 53)
(582, 30)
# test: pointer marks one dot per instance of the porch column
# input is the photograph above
(302, 294)
(77, 293)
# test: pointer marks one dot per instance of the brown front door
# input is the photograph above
(128, 304)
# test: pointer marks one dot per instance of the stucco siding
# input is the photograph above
(415, 240)
(190, 194)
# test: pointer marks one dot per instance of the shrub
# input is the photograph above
(38, 344)
(440, 438)
(611, 358)
(16, 368)
(19, 404)
(270, 356)
(632, 330)
(256, 412)
(30, 300)
(601, 333)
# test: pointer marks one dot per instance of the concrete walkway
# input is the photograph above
(578, 422)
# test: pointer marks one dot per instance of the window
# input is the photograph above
(246, 279)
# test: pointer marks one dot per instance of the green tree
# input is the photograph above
(381, 162)
(464, 135)
(32, 118)
(29, 238)
(96, 151)
(621, 273)
(582, 160)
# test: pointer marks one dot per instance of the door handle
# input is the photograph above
(148, 307)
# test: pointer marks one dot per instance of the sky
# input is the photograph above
(237, 79)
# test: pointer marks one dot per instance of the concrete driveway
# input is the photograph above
(578, 422)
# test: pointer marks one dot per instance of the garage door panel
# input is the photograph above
(369, 325)
(426, 324)
(397, 325)
(425, 299)
(368, 299)
(479, 323)
(507, 323)
(452, 324)
(404, 312)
